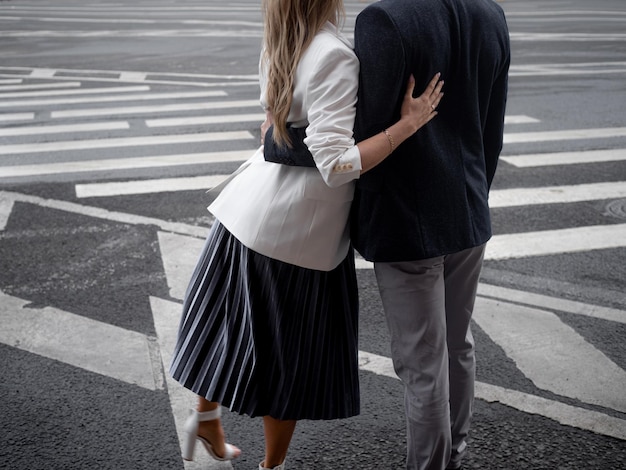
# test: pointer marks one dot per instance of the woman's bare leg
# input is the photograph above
(278, 435)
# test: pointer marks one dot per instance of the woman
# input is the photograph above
(269, 324)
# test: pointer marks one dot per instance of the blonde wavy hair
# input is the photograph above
(290, 26)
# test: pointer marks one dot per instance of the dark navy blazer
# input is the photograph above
(430, 197)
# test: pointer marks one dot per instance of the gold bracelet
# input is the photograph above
(390, 139)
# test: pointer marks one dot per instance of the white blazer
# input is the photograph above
(294, 214)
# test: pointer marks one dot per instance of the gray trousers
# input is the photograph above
(428, 304)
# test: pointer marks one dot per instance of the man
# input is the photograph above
(422, 215)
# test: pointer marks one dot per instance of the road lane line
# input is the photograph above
(90, 144)
(564, 158)
(37, 86)
(179, 254)
(69, 128)
(563, 37)
(6, 207)
(497, 198)
(135, 33)
(17, 117)
(195, 120)
(154, 109)
(98, 213)
(192, 183)
(80, 91)
(113, 98)
(574, 134)
(556, 194)
(79, 341)
(562, 413)
(551, 303)
(520, 119)
(117, 164)
(552, 354)
(10, 81)
(552, 242)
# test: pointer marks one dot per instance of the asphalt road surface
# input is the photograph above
(115, 117)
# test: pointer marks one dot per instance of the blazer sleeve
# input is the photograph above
(331, 95)
(493, 132)
(383, 74)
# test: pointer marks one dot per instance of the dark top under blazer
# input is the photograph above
(430, 197)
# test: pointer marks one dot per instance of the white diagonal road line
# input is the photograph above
(111, 98)
(159, 109)
(73, 92)
(123, 142)
(551, 242)
(38, 86)
(148, 186)
(195, 120)
(17, 117)
(565, 158)
(572, 134)
(89, 344)
(63, 129)
(552, 354)
(557, 194)
(116, 164)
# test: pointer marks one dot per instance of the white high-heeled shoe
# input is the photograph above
(277, 467)
(191, 436)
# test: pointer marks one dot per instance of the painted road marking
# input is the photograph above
(135, 33)
(562, 37)
(80, 91)
(155, 109)
(551, 242)
(497, 198)
(70, 128)
(551, 303)
(521, 119)
(556, 194)
(195, 120)
(575, 134)
(79, 341)
(122, 142)
(17, 117)
(37, 86)
(116, 164)
(113, 98)
(552, 354)
(72, 92)
(564, 158)
(102, 20)
(148, 186)
(7, 197)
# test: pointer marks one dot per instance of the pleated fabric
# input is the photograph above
(264, 337)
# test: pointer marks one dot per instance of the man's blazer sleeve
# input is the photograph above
(493, 133)
(383, 74)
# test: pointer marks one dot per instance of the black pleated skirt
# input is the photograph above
(263, 337)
